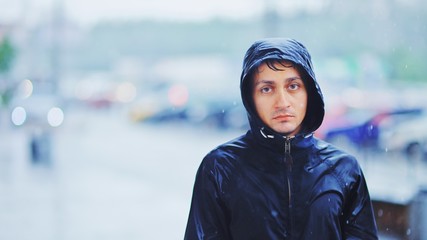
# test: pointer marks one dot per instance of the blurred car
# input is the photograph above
(216, 114)
(225, 115)
(367, 134)
(39, 110)
(409, 138)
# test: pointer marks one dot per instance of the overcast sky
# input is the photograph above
(92, 11)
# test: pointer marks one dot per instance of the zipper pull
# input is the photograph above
(288, 157)
(288, 145)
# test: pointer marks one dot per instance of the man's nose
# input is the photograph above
(282, 99)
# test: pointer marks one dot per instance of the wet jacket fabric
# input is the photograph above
(263, 185)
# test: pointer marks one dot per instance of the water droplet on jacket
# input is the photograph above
(347, 222)
(274, 213)
(380, 212)
(329, 199)
(308, 169)
(408, 232)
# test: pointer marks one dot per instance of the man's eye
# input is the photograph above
(294, 86)
(265, 89)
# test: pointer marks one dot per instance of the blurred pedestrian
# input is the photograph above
(278, 181)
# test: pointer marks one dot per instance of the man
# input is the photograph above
(278, 181)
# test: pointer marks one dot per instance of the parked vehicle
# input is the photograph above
(216, 114)
(409, 138)
(366, 136)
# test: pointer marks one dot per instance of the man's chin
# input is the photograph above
(286, 130)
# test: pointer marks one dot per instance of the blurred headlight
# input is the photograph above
(55, 117)
(19, 115)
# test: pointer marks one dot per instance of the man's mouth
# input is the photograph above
(283, 117)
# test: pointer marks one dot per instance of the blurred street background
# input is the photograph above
(107, 108)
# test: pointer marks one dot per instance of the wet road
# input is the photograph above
(112, 179)
(108, 179)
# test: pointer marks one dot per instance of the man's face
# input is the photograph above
(280, 97)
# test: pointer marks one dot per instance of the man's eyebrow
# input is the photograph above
(293, 79)
(271, 82)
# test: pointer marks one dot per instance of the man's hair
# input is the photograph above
(271, 63)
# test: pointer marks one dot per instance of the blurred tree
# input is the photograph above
(406, 65)
(393, 31)
(7, 54)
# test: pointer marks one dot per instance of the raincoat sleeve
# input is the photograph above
(207, 218)
(360, 220)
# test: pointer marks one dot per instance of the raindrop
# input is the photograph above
(274, 213)
(380, 213)
(329, 199)
(408, 232)
(308, 169)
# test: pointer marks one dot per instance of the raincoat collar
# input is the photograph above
(275, 142)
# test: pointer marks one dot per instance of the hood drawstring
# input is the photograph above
(265, 135)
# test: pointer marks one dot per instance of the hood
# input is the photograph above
(281, 49)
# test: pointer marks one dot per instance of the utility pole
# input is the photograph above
(56, 49)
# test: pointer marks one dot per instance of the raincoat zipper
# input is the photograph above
(288, 162)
